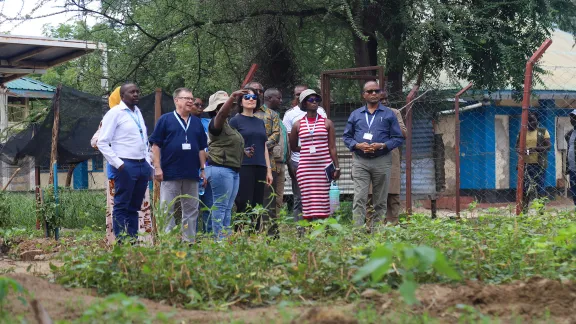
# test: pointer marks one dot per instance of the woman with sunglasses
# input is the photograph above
(225, 155)
(255, 171)
(314, 137)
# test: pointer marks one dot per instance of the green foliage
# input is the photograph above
(78, 209)
(330, 261)
(8, 285)
(5, 210)
(119, 308)
(51, 210)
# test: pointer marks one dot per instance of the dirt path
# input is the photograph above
(530, 300)
(66, 304)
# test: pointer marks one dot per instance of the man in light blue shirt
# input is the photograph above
(371, 133)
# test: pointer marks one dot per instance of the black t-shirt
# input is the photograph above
(253, 131)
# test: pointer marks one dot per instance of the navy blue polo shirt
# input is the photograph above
(253, 131)
(176, 163)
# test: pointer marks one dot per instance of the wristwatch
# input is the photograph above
(337, 169)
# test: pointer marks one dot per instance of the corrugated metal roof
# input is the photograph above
(28, 84)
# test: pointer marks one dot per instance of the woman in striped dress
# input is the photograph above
(314, 137)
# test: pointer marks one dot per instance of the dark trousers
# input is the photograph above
(251, 191)
(129, 188)
(534, 187)
(297, 209)
(270, 218)
(572, 175)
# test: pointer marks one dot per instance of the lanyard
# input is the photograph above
(308, 126)
(182, 125)
(372, 121)
(137, 121)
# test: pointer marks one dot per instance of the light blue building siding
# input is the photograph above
(478, 143)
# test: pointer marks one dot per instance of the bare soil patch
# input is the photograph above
(66, 304)
(530, 300)
(536, 299)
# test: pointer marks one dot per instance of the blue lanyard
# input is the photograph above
(372, 121)
(181, 124)
(137, 121)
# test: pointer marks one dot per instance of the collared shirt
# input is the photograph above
(272, 123)
(293, 115)
(120, 135)
(176, 163)
(384, 129)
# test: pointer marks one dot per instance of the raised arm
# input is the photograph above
(224, 112)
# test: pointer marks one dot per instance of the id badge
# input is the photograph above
(312, 149)
(186, 146)
(367, 136)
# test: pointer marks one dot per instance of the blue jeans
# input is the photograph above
(206, 201)
(130, 187)
(224, 183)
(572, 175)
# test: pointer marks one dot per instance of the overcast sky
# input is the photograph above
(33, 27)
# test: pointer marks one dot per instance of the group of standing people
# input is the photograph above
(235, 151)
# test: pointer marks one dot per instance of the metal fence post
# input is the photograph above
(457, 144)
(524, 121)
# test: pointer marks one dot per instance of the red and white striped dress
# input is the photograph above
(311, 175)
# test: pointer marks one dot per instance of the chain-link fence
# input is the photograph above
(452, 127)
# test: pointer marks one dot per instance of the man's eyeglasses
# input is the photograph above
(250, 97)
(297, 95)
(374, 91)
(186, 98)
(314, 99)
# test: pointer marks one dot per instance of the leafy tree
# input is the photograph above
(209, 45)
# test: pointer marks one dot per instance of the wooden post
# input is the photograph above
(55, 130)
(54, 148)
(156, 188)
(11, 178)
(37, 192)
(71, 168)
(250, 75)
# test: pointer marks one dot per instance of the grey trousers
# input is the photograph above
(172, 189)
(364, 171)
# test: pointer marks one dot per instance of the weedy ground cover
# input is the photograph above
(78, 209)
(331, 262)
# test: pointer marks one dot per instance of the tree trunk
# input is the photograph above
(69, 174)
(395, 63)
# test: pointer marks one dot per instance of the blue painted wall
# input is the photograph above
(81, 176)
(478, 143)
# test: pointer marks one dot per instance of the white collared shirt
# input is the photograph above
(293, 115)
(120, 130)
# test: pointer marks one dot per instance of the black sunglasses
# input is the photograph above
(198, 105)
(373, 91)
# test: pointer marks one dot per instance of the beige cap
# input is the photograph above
(216, 99)
(306, 93)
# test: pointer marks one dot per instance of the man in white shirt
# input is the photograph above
(292, 116)
(123, 142)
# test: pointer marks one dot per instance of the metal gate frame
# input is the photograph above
(343, 74)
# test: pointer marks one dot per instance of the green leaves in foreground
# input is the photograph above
(405, 261)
